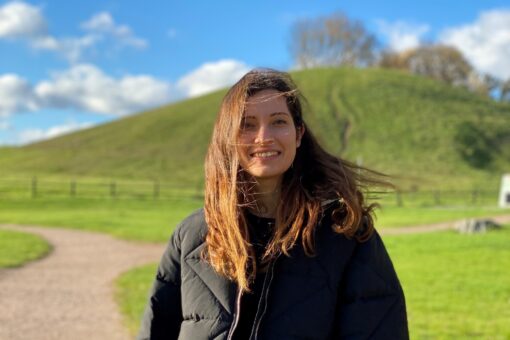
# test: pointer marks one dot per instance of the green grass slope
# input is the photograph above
(425, 133)
(18, 248)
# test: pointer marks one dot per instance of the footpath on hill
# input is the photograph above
(69, 293)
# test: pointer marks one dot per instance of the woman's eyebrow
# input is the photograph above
(271, 115)
(279, 113)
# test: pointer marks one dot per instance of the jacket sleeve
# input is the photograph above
(371, 302)
(163, 313)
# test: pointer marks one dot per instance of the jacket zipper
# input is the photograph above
(236, 314)
(265, 294)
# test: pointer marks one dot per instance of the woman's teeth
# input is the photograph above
(265, 154)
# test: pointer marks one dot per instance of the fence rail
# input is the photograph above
(475, 197)
(36, 188)
(115, 189)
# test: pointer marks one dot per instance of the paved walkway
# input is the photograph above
(69, 293)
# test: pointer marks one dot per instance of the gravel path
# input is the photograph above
(502, 219)
(69, 293)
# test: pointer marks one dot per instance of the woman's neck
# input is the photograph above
(267, 197)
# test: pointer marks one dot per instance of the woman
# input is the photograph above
(285, 246)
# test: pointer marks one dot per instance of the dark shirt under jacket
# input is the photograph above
(260, 229)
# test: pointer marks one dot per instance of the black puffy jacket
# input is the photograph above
(349, 290)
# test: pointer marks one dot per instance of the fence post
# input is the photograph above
(474, 197)
(156, 189)
(113, 189)
(437, 197)
(199, 191)
(34, 187)
(72, 188)
(399, 198)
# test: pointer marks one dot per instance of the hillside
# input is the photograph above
(425, 133)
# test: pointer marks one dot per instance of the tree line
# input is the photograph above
(337, 40)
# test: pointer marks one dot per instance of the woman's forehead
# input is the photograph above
(267, 101)
(265, 95)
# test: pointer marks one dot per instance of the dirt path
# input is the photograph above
(69, 293)
(502, 219)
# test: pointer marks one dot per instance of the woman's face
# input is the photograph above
(268, 137)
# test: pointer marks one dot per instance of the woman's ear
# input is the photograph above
(300, 131)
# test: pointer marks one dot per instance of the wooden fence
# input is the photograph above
(36, 188)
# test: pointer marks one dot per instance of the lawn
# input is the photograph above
(153, 220)
(145, 220)
(131, 294)
(16, 248)
(456, 286)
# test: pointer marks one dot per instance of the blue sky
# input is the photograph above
(66, 65)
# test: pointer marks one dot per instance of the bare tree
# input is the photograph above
(504, 91)
(447, 64)
(331, 40)
(440, 62)
(483, 83)
(390, 59)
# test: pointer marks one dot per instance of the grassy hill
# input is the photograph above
(425, 133)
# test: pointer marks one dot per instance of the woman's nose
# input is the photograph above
(264, 135)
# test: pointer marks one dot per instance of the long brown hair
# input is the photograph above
(315, 177)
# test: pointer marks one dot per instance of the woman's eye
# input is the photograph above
(280, 122)
(247, 125)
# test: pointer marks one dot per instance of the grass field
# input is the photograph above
(128, 219)
(456, 286)
(17, 248)
(131, 291)
(154, 220)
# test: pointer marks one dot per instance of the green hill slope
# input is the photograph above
(425, 133)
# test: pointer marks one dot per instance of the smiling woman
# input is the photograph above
(268, 139)
(285, 247)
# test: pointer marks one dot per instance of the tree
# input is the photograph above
(444, 63)
(332, 40)
(504, 94)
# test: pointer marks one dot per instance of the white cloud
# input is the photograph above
(100, 22)
(16, 95)
(33, 135)
(212, 76)
(402, 35)
(71, 48)
(21, 20)
(485, 42)
(85, 87)
(103, 24)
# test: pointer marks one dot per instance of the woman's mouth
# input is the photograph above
(265, 154)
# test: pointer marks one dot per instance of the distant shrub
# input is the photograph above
(475, 146)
